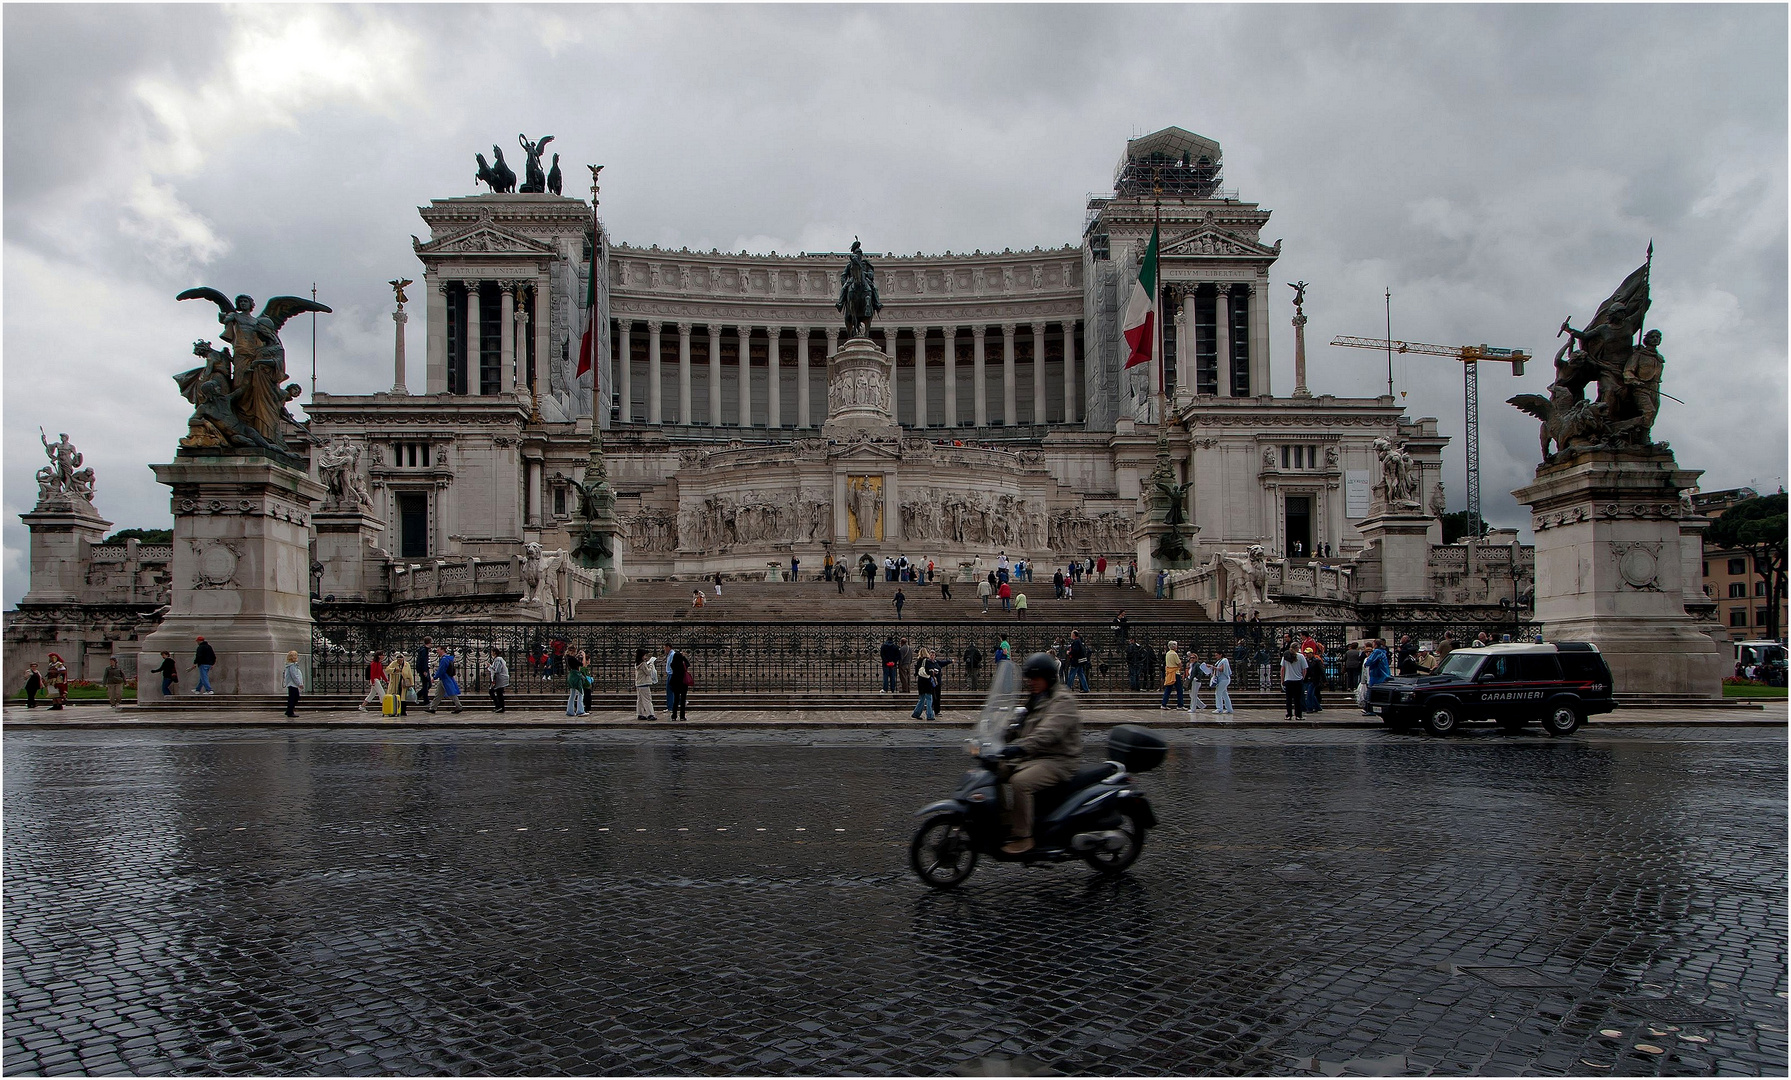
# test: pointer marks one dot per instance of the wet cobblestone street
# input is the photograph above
(624, 902)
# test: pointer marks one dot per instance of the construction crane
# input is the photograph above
(1471, 357)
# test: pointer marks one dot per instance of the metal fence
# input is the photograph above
(830, 657)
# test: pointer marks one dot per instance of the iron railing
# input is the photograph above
(820, 657)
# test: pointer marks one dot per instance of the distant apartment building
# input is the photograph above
(1730, 577)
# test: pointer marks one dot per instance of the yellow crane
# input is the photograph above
(1471, 357)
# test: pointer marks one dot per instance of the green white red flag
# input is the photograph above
(1140, 322)
(587, 345)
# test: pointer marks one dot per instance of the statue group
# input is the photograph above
(66, 475)
(502, 181)
(1400, 479)
(239, 393)
(1626, 371)
(858, 300)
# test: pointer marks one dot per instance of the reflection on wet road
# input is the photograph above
(311, 901)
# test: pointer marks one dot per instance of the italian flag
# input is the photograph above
(587, 345)
(1140, 323)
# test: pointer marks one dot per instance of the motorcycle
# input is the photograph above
(1097, 815)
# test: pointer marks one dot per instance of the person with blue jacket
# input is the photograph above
(1376, 669)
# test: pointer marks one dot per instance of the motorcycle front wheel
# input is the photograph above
(1112, 862)
(942, 854)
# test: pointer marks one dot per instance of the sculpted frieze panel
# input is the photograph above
(730, 518)
(1075, 530)
(978, 518)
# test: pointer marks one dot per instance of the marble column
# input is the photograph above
(475, 340)
(654, 393)
(625, 372)
(774, 394)
(979, 336)
(515, 377)
(399, 318)
(1008, 395)
(743, 334)
(531, 494)
(714, 375)
(1070, 386)
(920, 376)
(684, 373)
(543, 324)
(895, 373)
(802, 402)
(1185, 352)
(951, 376)
(435, 345)
(1222, 335)
(1259, 339)
(1038, 373)
(506, 334)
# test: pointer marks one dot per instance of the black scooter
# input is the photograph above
(1096, 815)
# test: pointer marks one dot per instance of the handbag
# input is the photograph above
(689, 678)
(1362, 693)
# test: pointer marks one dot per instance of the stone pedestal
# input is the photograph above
(241, 569)
(1610, 567)
(62, 529)
(859, 399)
(1399, 542)
(346, 538)
(1148, 538)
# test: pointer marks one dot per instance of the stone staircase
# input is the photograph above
(821, 601)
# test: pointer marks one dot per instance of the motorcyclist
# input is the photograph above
(1045, 749)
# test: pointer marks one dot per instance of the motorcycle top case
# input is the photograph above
(1138, 749)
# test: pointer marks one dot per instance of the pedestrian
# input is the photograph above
(679, 679)
(1006, 592)
(718, 584)
(1172, 679)
(1101, 567)
(168, 671)
(945, 588)
(645, 676)
(114, 680)
(793, 564)
(1069, 591)
(58, 680)
(826, 575)
(1314, 652)
(1352, 666)
(1408, 656)
(425, 663)
(204, 656)
(1003, 653)
(870, 573)
(1293, 683)
(34, 684)
(1255, 628)
(499, 671)
(1132, 573)
(900, 599)
(1265, 665)
(905, 664)
(404, 684)
(376, 682)
(983, 588)
(1057, 585)
(890, 656)
(293, 679)
(1162, 583)
(1137, 660)
(1122, 629)
(1197, 669)
(1019, 605)
(578, 684)
(696, 598)
(925, 684)
(671, 706)
(1376, 669)
(1447, 645)
(839, 581)
(448, 678)
(1222, 684)
(1238, 626)
(1078, 656)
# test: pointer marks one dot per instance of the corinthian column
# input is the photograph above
(895, 374)
(684, 373)
(653, 372)
(951, 376)
(399, 318)
(625, 372)
(515, 372)
(774, 394)
(1008, 397)
(1185, 345)
(978, 336)
(802, 402)
(1222, 338)
(714, 375)
(920, 376)
(475, 341)
(506, 334)
(435, 346)
(1070, 384)
(743, 334)
(1038, 373)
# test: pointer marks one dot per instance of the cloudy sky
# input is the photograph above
(1499, 168)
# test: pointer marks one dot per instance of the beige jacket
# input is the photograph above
(1053, 727)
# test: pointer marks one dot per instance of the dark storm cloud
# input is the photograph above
(1498, 167)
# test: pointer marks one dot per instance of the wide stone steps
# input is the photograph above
(757, 601)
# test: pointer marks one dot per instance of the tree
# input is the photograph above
(142, 536)
(1758, 527)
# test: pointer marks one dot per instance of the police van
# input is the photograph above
(1558, 685)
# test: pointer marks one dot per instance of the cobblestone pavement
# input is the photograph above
(586, 901)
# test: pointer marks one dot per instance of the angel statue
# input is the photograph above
(248, 379)
(534, 177)
(398, 285)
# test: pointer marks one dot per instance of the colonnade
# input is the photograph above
(1239, 318)
(911, 347)
(456, 356)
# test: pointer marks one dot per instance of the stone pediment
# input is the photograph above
(864, 449)
(483, 237)
(1213, 241)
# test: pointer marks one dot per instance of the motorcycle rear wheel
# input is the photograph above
(1113, 862)
(942, 854)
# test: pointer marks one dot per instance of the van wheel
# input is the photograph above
(1441, 720)
(1561, 720)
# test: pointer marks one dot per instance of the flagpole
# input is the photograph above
(1156, 275)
